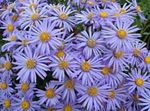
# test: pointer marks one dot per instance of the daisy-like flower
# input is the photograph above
(90, 42)
(68, 89)
(120, 35)
(50, 96)
(121, 13)
(137, 81)
(65, 106)
(30, 64)
(63, 17)
(29, 17)
(44, 36)
(116, 98)
(5, 87)
(145, 64)
(102, 16)
(137, 51)
(117, 59)
(144, 102)
(6, 103)
(62, 65)
(11, 41)
(85, 17)
(8, 25)
(25, 103)
(93, 96)
(87, 70)
(104, 3)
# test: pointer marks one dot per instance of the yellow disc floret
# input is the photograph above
(139, 82)
(13, 38)
(44, 36)
(35, 16)
(147, 59)
(67, 107)
(24, 42)
(122, 33)
(25, 105)
(30, 63)
(24, 86)
(7, 65)
(112, 94)
(3, 85)
(60, 53)
(118, 54)
(63, 64)
(85, 66)
(105, 70)
(92, 91)
(10, 27)
(50, 93)
(91, 43)
(90, 15)
(7, 103)
(136, 52)
(103, 14)
(69, 84)
(63, 16)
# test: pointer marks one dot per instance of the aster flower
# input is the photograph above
(62, 65)
(64, 106)
(116, 98)
(44, 35)
(25, 103)
(120, 35)
(62, 17)
(144, 102)
(117, 59)
(137, 81)
(30, 64)
(90, 42)
(137, 51)
(104, 3)
(50, 96)
(87, 70)
(6, 103)
(30, 17)
(93, 96)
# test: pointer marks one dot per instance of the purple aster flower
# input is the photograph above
(104, 3)
(25, 103)
(116, 98)
(30, 64)
(6, 103)
(137, 81)
(137, 51)
(93, 96)
(117, 59)
(87, 70)
(62, 65)
(120, 35)
(29, 17)
(90, 42)
(64, 106)
(144, 102)
(44, 36)
(63, 18)
(50, 96)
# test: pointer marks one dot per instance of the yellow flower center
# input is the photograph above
(104, 1)
(63, 16)
(30, 63)
(32, 5)
(113, 1)
(122, 33)
(90, 2)
(91, 43)
(24, 42)
(90, 15)
(50, 93)
(92, 91)
(136, 52)
(85, 66)
(67, 107)
(7, 65)
(34, 16)
(138, 8)
(103, 14)
(60, 53)
(106, 70)
(69, 84)
(139, 82)
(116, 14)
(25, 105)
(122, 11)
(3, 85)
(14, 18)
(24, 86)
(83, 1)
(13, 38)
(50, 109)
(147, 59)
(135, 97)
(10, 27)
(63, 64)
(7, 103)
(44, 36)
(118, 54)
(112, 94)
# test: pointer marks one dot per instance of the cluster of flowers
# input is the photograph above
(88, 53)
